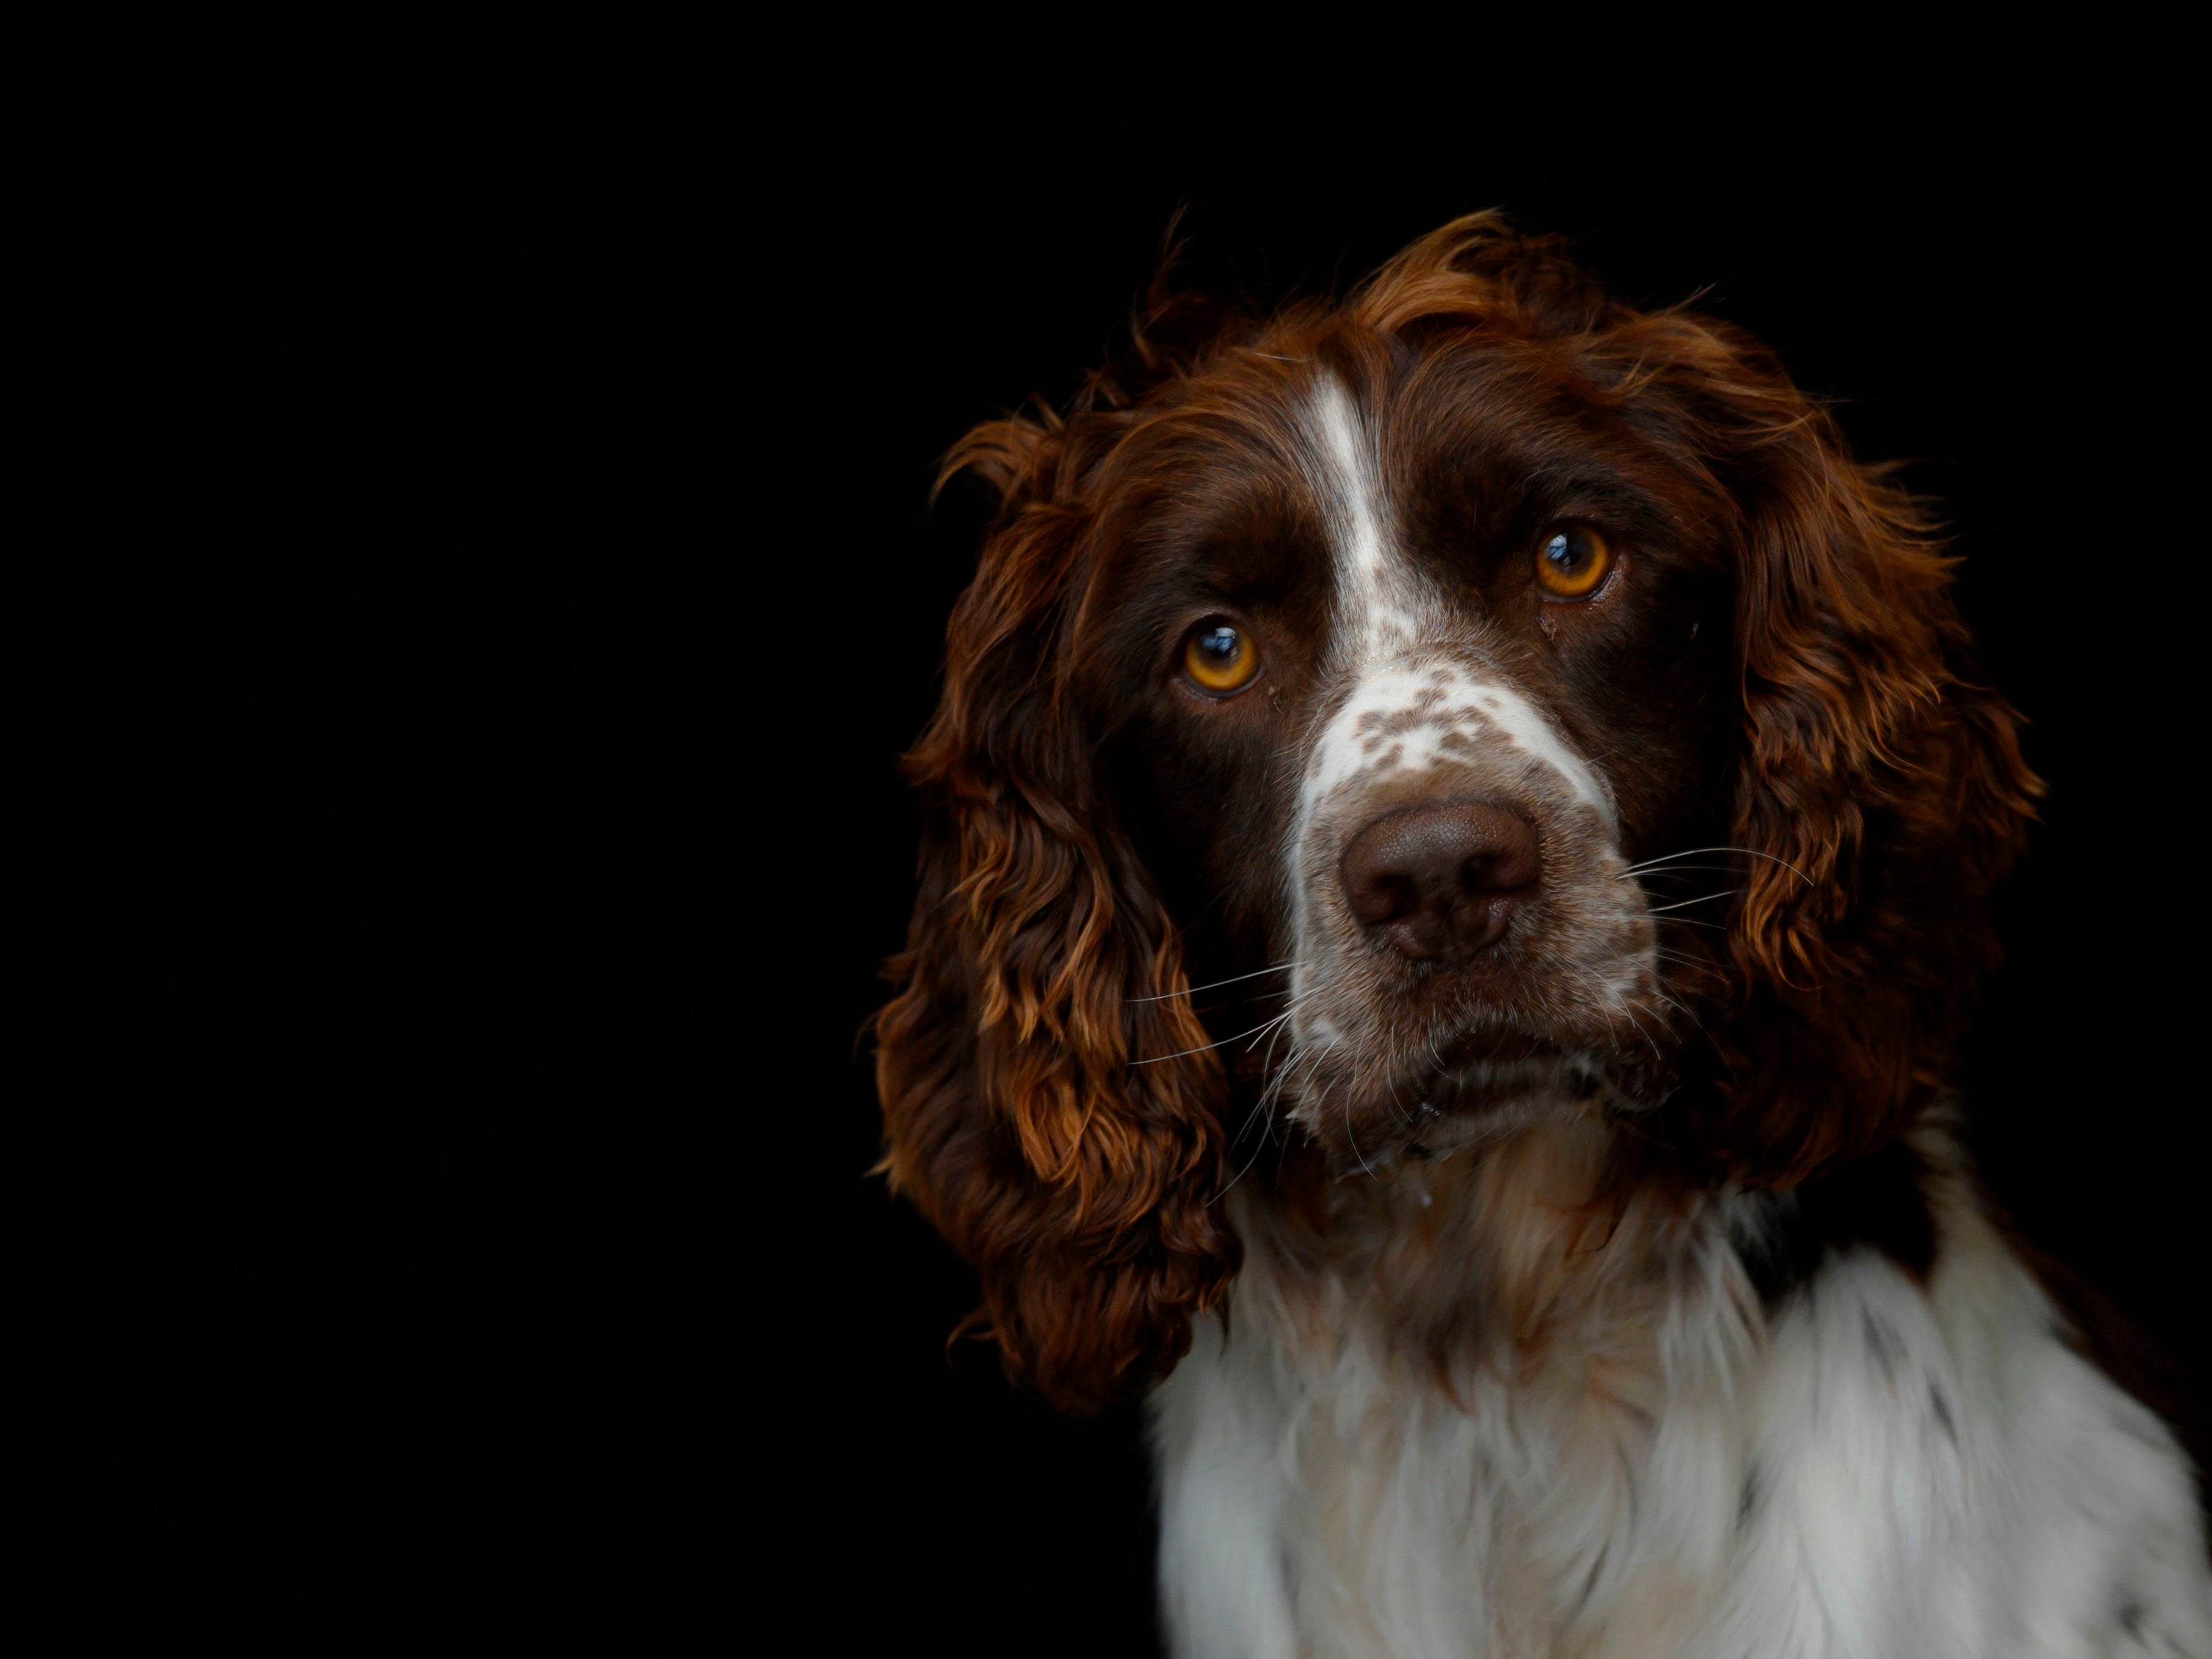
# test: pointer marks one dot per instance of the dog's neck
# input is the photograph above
(1514, 1251)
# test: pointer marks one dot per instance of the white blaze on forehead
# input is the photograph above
(1379, 599)
(1403, 678)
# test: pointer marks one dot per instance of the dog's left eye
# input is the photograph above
(1573, 562)
(1220, 659)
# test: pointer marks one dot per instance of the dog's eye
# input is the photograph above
(1220, 659)
(1573, 562)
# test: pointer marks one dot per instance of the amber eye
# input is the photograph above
(1573, 562)
(1220, 659)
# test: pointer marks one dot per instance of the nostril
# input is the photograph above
(1382, 897)
(1506, 867)
(1443, 880)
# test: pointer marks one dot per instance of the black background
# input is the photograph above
(466, 503)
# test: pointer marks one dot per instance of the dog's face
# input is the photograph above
(1383, 721)
(1409, 659)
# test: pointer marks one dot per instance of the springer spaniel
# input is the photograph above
(1454, 858)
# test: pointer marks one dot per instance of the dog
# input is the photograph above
(1456, 843)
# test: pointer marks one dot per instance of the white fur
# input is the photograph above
(1797, 1492)
(1379, 601)
(1448, 697)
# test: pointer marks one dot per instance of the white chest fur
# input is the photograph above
(1885, 1467)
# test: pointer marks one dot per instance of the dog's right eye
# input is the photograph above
(1220, 659)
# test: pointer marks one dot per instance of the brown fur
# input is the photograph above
(1039, 965)
(1878, 786)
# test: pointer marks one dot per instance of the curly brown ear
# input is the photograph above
(1050, 1102)
(1880, 790)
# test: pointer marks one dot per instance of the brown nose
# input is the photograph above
(1440, 882)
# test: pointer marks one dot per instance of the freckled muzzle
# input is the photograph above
(1469, 936)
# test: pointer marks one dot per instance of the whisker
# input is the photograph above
(1346, 1104)
(1264, 1103)
(1258, 1107)
(1234, 979)
(1649, 1041)
(1258, 1147)
(1314, 1059)
(1223, 1042)
(1182, 1053)
(1702, 898)
(1606, 997)
(1747, 851)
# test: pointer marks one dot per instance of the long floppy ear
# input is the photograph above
(1049, 1102)
(1880, 792)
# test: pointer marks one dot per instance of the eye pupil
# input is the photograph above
(1561, 552)
(1221, 644)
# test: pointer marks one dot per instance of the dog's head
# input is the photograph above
(1495, 702)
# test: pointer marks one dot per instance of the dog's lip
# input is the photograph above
(1479, 1071)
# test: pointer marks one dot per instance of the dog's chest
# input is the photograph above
(1385, 1516)
(1889, 1467)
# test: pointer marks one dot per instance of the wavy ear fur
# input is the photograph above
(1040, 971)
(1879, 791)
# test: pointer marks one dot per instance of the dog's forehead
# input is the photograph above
(1330, 445)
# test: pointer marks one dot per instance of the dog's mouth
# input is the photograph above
(1482, 1074)
(1484, 1071)
(1480, 1087)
